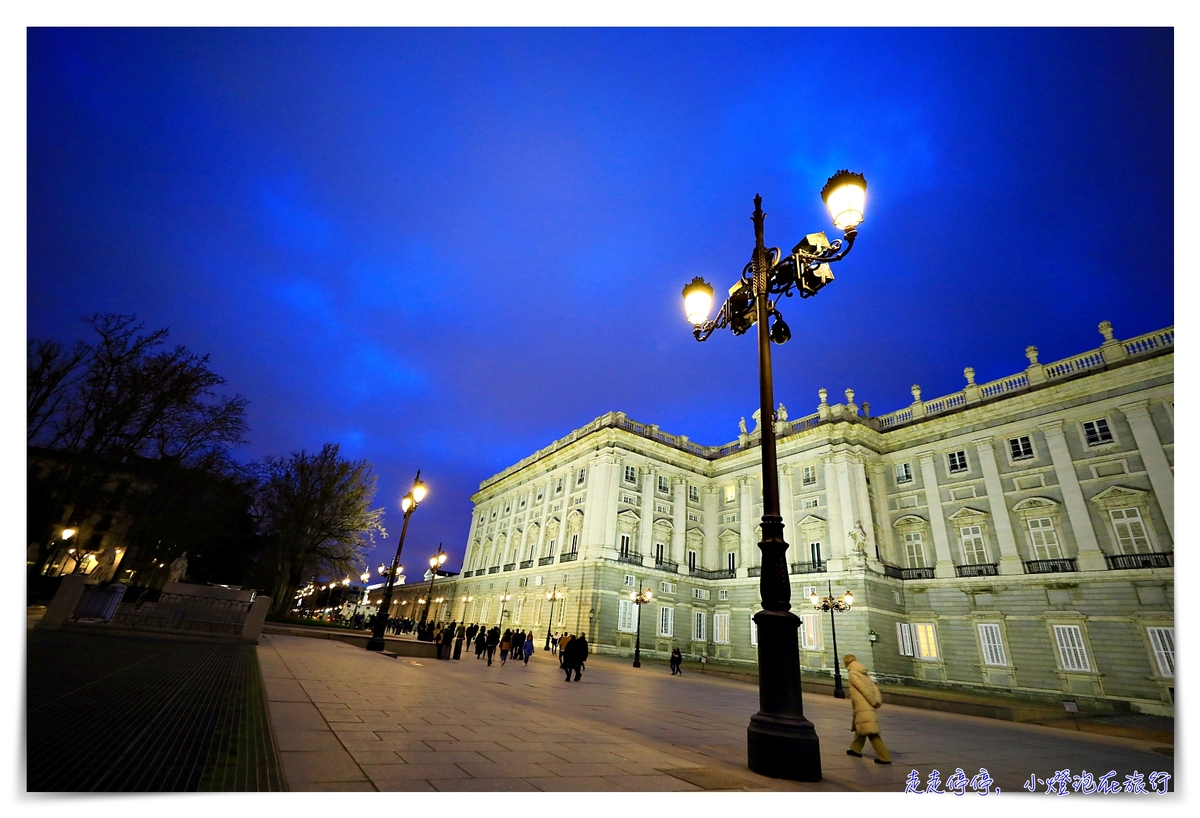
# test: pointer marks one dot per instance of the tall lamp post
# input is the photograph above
(781, 743)
(834, 605)
(553, 597)
(504, 598)
(435, 562)
(408, 505)
(639, 600)
(465, 600)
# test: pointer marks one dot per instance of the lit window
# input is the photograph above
(1020, 447)
(721, 628)
(698, 633)
(810, 631)
(1071, 648)
(1163, 641)
(1097, 432)
(993, 646)
(903, 472)
(730, 493)
(957, 461)
(926, 640)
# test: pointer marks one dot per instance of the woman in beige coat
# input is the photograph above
(864, 695)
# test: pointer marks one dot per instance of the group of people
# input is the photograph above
(572, 653)
(515, 644)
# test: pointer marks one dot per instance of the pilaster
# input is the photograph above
(1090, 557)
(787, 508)
(1153, 457)
(646, 525)
(1010, 556)
(748, 546)
(944, 568)
(837, 531)
(678, 519)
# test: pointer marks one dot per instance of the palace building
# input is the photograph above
(1016, 536)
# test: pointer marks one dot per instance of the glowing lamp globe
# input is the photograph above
(697, 301)
(419, 491)
(845, 194)
(406, 503)
(848, 598)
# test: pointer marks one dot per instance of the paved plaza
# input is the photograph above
(346, 719)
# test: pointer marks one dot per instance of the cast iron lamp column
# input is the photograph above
(465, 600)
(435, 562)
(408, 505)
(504, 598)
(834, 605)
(781, 742)
(553, 596)
(639, 600)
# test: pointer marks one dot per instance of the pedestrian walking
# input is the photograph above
(676, 661)
(563, 644)
(574, 655)
(554, 643)
(864, 695)
(458, 641)
(480, 643)
(505, 646)
(493, 639)
(529, 648)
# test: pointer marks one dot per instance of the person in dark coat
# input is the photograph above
(458, 641)
(676, 661)
(576, 654)
(528, 648)
(493, 639)
(480, 643)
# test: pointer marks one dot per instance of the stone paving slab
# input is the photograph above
(462, 726)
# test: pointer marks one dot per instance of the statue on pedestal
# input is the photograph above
(757, 420)
(742, 426)
(859, 537)
(178, 568)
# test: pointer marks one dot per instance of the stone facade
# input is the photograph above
(1016, 536)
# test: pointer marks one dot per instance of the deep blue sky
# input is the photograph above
(446, 248)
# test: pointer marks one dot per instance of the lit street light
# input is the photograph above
(834, 605)
(639, 600)
(552, 597)
(435, 562)
(408, 505)
(781, 742)
(504, 598)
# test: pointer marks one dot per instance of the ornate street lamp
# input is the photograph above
(435, 562)
(553, 597)
(834, 605)
(408, 505)
(781, 743)
(504, 598)
(639, 600)
(465, 600)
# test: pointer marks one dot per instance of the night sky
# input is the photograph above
(443, 249)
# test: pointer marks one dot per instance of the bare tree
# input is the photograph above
(315, 510)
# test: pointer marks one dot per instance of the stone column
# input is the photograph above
(560, 540)
(787, 508)
(678, 519)
(710, 497)
(944, 567)
(1090, 557)
(646, 525)
(543, 522)
(746, 522)
(887, 547)
(1010, 556)
(616, 465)
(863, 510)
(847, 501)
(1153, 457)
(837, 533)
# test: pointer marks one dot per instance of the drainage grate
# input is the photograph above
(706, 778)
(113, 713)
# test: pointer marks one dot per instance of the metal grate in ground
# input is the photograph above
(113, 713)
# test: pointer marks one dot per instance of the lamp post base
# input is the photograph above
(783, 748)
(375, 643)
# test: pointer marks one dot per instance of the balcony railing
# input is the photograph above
(1154, 560)
(1050, 566)
(527, 563)
(512, 566)
(632, 559)
(916, 573)
(817, 567)
(667, 565)
(495, 569)
(546, 560)
(467, 574)
(893, 571)
(983, 569)
(754, 571)
(720, 573)
(571, 557)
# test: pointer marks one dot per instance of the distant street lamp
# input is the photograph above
(465, 600)
(408, 505)
(504, 598)
(639, 600)
(435, 562)
(781, 743)
(834, 605)
(553, 597)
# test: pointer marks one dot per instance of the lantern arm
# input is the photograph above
(703, 331)
(786, 271)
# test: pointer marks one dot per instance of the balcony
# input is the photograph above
(754, 571)
(916, 573)
(574, 555)
(720, 573)
(1061, 566)
(983, 569)
(1155, 560)
(667, 565)
(495, 569)
(893, 571)
(546, 560)
(512, 566)
(527, 563)
(632, 559)
(817, 567)
(467, 574)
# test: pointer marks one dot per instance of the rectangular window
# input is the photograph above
(1071, 648)
(753, 631)
(926, 640)
(914, 549)
(691, 558)
(631, 474)
(1020, 447)
(722, 594)
(581, 477)
(699, 593)
(630, 580)
(695, 518)
(539, 580)
(574, 543)
(721, 628)
(810, 631)
(507, 507)
(694, 493)
(731, 560)
(660, 552)
(483, 611)
(814, 553)
(667, 587)
(812, 503)
(957, 461)
(730, 493)
(523, 499)
(541, 493)
(558, 486)
(625, 615)
(698, 633)
(904, 638)
(993, 646)
(522, 582)
(1044, 539)
(972, 544)
(629, 498)
(517, 611)
(1131, 534)
(550, 548)
(810, 475)
(666, 621)
(903, 472)
(1097, 432)
(626, 545)
(664, 484)
(1163, 641)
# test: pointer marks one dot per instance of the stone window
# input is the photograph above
(1163, 642)
(721, 628)
(730, 493)
(667, 587)
(698, 631)
(626, 616)
(926, 638)
(574, 543)
(626, 546)
(814, 552)
(694, 518)
(731, 560)
(722, 594)
(1131, 533)
(753, 631)
(694, 493)
(1044, 539)
(914, 549)
(523, 499)
(558, 486)
(974, 551)
(810, 631)
(903, 473)
(993, 645)
(630, 580)
(812, 502)
(660, 552)
(1096, 432)
(664, 484)
(666, 621)
(810, 475)
(1021, 448)
(631, 474)
(691, 560)
(508, 507)
(904, 639)
(579, 478)
(1071, 648)
(699, 593)
(540, 494)
(539, 580)
(957, 461)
